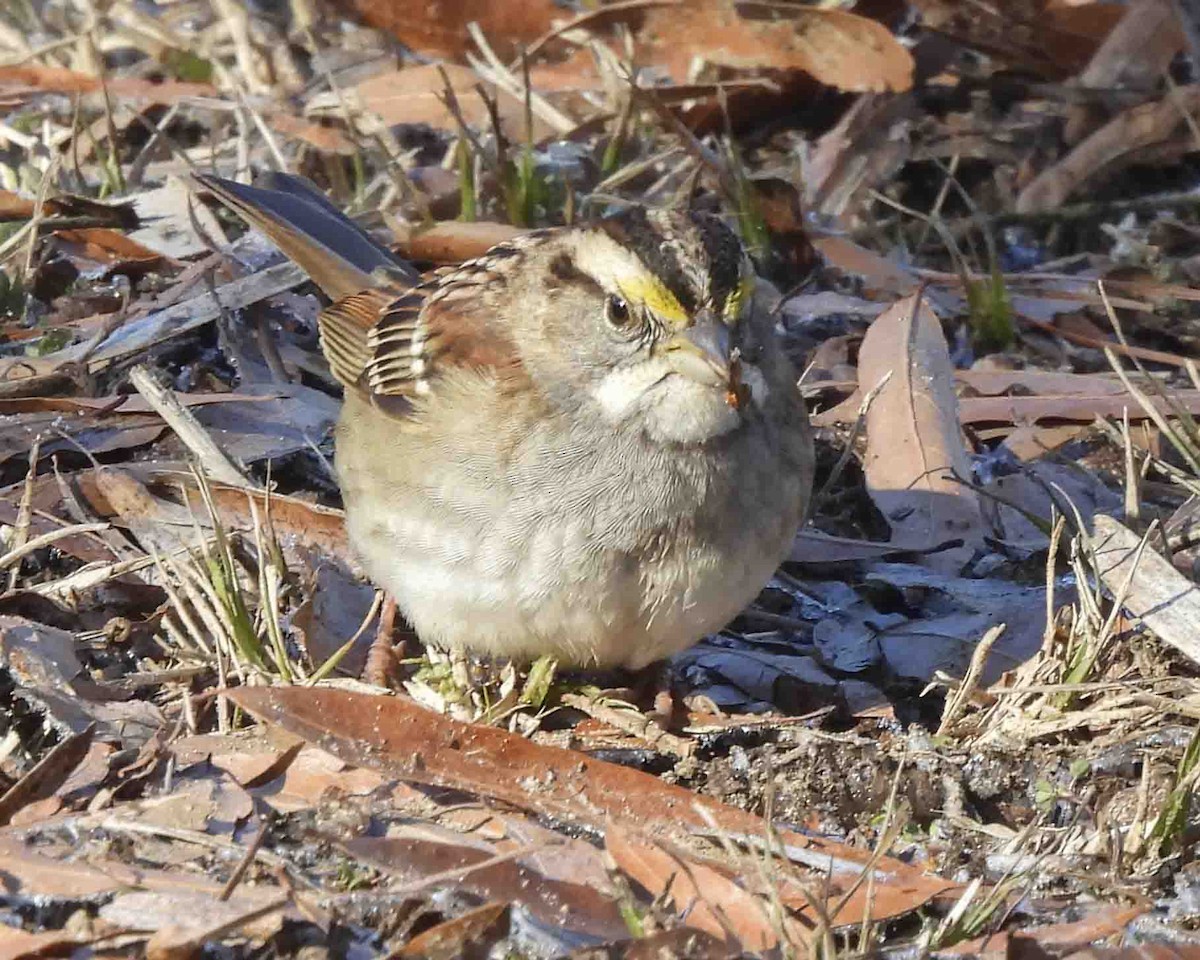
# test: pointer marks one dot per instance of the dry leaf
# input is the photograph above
(401, 738)
(414, 95)
(455, 241)
(32, 76)
(20, 945)
(449, 939)
(101, 245)
(703, 897)
(914, 445)
(881, 274)
(1052, 39)
(838, 48)
(438, 28)
(421, 851)
(1114, 146)
(1167, 602)
(1054, 938)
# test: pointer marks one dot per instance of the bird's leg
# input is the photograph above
(385, 654)
(656, 690)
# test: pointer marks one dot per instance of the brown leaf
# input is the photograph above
(120, 403)
(914, 444)
(413, 95)
(840, 49)
(324, 137)
(1052, 39)
(1113, 147)
(58, 873)
(455, 241)
(1055, 937)
(863, 152)
(439, 29)
(20, 945)
(48, 774)
(1074, 407)
(681, 942)
(883, 276)
(397, 736)
(703, 896)
(570, 905)
(1134, 56)
(1137, 951)
(450, 939)
(104, 246)
(121, 215)
(1167, 602)
(1043, 382)
(31, 76)
(293, 518)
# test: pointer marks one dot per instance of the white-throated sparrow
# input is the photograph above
(587, 443)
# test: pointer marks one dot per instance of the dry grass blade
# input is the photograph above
(212, 458)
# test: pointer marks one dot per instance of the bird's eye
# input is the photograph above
(616, 311)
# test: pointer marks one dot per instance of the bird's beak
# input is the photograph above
(704, 354)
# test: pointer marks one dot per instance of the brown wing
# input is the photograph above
(448, 322)
(345, 328)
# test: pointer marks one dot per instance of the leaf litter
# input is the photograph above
(961, 720)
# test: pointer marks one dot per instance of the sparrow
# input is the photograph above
(586, 444)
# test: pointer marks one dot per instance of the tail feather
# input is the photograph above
(338, 254)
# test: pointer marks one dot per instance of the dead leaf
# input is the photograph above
(1137, 951)
(1112, 147)
(57, 872)
(867, 147)
(120, 403)
(107, 248)
(20, 945)
(1072, 407)
(402, 739)
(32, 76)
(1134, 56)
(1053, 39)
(838, 48)
(1167, 602)
(440, 29)
(118, 215)
(296, 521)
(449, 939)
(681, 942)
(1056, 937)
(47, 775)
(455, 241)
(914, 444)
(1044, 382)
(414, 95)
(185, 921)
(567, 904)
(324, 136)
(884, 277)
(703, 897)
(171, 223)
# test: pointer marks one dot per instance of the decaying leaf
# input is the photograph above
(703, 896)
(1055, 39)
(407, 741)
(836, 47)
(440, 29)
(916, 463)
(1167, 602)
